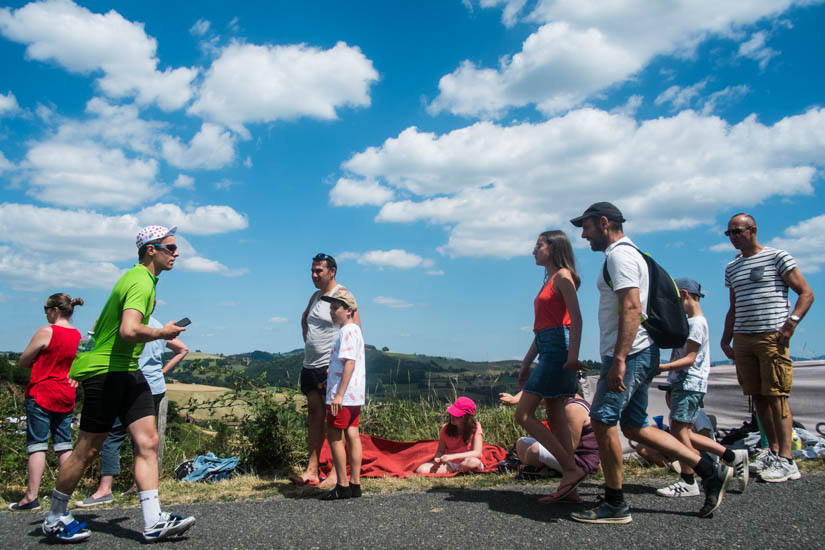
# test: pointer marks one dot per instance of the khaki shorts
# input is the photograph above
(763, 366)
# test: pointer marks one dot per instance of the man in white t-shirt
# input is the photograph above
(319, 335)
(630, 360)
(761, 327)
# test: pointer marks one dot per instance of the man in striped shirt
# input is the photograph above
(759, 323)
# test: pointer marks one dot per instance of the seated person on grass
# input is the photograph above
(460, 442)
(586, 452)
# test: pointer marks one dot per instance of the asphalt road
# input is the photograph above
(785, 515)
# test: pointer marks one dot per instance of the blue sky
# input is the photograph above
(425, 145)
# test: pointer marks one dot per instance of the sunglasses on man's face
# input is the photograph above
(736, 231)
(170, 247)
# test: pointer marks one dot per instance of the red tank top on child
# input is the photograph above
(550, 309)
(49, 383)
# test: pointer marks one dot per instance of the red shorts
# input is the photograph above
(346, 417)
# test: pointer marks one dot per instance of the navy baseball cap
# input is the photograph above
(685, 283)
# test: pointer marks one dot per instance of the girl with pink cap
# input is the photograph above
(459, 442)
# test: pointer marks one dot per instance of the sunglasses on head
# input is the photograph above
(170, 247)
(325, 258)
(736, 231)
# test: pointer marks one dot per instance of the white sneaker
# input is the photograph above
(679, 489)
(781, 469)
(741, 470)
(66, 529)
(169, 525)
(760, 461)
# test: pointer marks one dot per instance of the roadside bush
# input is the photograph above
(274, 437)
(13, 456)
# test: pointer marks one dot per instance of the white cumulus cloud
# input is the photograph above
(397, 258)
(85, 42)
(201, 220)
(494, 187)
(89, 174)
(350, 192)
(211, 148)
(251, 83)
(184, 182)
(8, 103)
(58, 251)
(805, 241)
(583, 47)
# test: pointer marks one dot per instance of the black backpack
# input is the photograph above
(666, 321)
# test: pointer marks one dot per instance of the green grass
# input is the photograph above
(274, 439)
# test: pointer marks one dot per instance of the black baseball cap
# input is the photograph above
(597, 210)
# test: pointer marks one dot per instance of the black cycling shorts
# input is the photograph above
(107, 396)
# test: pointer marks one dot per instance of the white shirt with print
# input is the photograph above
(694, 378)
(348, 345)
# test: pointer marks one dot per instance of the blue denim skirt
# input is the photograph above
(549, 379)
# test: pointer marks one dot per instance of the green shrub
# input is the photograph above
(274, 437)
(13, 458)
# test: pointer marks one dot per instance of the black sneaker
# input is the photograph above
(604, 513)
(355, 490)
(339, 493)
(715, 487)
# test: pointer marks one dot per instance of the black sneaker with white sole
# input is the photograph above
(604, 513)
(715, 487)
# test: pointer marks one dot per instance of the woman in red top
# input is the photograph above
(49, 396)
(557, 328)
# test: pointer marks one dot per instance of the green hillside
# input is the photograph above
(389, 374)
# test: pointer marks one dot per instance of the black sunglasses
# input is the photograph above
(736, 231)
(47, 308)
(170, 247)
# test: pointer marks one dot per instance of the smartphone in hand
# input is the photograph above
(184, 322)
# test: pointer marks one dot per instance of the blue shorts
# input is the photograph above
(685, 405)
(549, 379)
(628, 408)
(40, 422)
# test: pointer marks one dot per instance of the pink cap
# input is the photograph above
(153, 233)
(462, 406)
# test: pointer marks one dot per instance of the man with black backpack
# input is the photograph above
(631, 286)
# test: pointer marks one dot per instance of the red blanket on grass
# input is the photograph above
(385, 458)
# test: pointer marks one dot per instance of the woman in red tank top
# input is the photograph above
(557, 328)
(50, 395)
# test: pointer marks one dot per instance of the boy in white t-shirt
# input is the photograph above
(688, 372)
(346, 385)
